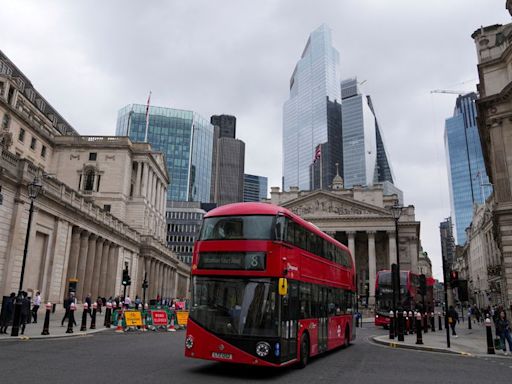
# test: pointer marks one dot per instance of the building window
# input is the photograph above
(5, 121)
(89, 180)
(93, 156)
(21, 135)
(107, 207)
(33, 142)
(43, 151)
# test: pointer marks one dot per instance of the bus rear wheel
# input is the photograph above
(304, 351)
(347, 338)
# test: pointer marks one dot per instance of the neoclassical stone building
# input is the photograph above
(361, 219)
(102, 205)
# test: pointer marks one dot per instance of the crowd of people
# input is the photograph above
(27, 314)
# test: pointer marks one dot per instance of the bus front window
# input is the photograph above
(235, 306)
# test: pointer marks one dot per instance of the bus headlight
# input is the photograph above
(262, 349)
(189, 342)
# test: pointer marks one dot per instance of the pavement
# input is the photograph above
(469, 342)
(33, 331)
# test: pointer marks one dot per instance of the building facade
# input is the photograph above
(494, 52)
(447, 242)
(361, 219)
(467, 178)
(314, 84)
(226, 124)
(365, 160)
(424, 264)
(186, 140)
(89, 221)
(255, 188)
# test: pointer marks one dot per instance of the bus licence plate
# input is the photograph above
(226, 356)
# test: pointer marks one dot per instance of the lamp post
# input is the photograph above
(396, 212)
(34, 188)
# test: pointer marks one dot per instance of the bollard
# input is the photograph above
(469, 321)
(391, 325)
(433, 322)
(71, 317)
(439, 322)
(490, 345)
(411, 323)
(419, 337)
(107, 315)
(83, 326)
(406, 323)
(400, 326)
(46, 325)
(93, 319)
(425, 322)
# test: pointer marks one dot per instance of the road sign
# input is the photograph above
(133, 319)
(182, 317)
(159, 317)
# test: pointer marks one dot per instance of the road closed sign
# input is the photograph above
(159, 317)
(133, 318)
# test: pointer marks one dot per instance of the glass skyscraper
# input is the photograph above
(365, 161)
(314, 84)
(467, 176)
(185, 138)
(255, 188)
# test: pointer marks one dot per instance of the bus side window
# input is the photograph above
(315, 309)
(305, 300)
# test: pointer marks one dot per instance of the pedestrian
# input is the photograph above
(127, 302)
(67, 306)
(99, 303)
(25, 312)
(503, 331)
(7, 313)
(35, 308)
(453, 317)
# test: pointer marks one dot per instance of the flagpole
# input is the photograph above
(147, 118)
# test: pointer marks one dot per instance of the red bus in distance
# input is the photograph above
(411, 296)
(268, 288)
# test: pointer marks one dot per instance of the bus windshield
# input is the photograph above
(257, 227)
(384, 294)
(245, 307)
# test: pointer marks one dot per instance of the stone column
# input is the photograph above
(392, 247)
(73, 253)
(176, 278)
(91, 256)
(82, 262)
(97, 268)
(144, 184)
(152, 284)
(414, 252)
(112, 271)
(352, 245)
(372, 267)
(151, 187)
(164, 281)
(137, 180)
(102, 284)
(160, 279)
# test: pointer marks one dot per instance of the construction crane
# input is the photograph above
(450, 91)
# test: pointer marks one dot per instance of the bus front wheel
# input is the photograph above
(304, 350)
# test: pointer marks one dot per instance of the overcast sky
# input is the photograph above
(90, 58)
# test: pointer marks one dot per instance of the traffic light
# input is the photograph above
(126, 278)
(145, 284)
(454, 279)
(423, 284)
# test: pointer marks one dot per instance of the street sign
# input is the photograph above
(133, 319)
(182, 317)
(159, 317)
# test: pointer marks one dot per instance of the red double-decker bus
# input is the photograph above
(410, 294)
(268, 288)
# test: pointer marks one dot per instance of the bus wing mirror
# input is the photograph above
(283, 286)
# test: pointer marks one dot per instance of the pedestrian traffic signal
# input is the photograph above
(126, 278)
(454, 279)
(423, 285)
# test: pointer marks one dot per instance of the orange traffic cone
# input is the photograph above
(119, 327)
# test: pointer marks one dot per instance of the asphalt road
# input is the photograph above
(158, 358)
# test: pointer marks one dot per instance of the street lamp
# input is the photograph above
(34, 188)
(396, 212)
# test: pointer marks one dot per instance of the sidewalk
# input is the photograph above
(469, 342)
(33, 331)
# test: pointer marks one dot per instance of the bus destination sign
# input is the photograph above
(254, 261)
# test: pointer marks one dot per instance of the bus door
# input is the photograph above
(323, 323)
(289, 322)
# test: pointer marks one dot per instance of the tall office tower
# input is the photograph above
(467, 176)
(255, 188)
(185, 138)
(226, 123)
(314, 85)
(447, 242)
(365, 161)
(228, 162)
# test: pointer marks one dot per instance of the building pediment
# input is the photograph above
(325, 204)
